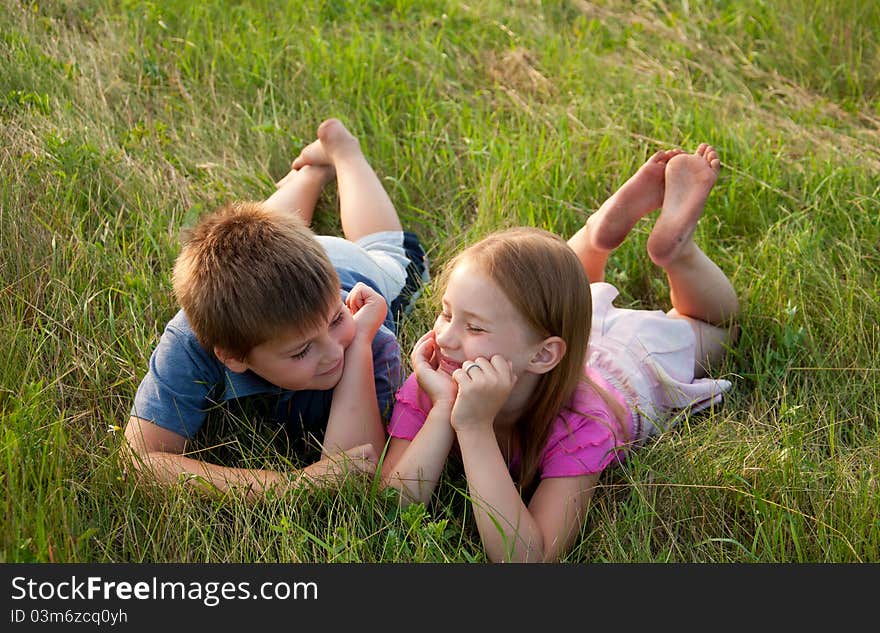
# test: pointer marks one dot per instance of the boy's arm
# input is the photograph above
(158, 453)
(354, 411)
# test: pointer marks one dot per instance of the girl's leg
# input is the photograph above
(606, 229)
(298, 191)
(698, 288)
(364, 205)
(712, 343)
(593, 259)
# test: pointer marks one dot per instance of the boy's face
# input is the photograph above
(305, 361)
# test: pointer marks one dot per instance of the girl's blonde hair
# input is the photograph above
(545, 281)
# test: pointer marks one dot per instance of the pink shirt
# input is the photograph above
(582, 438)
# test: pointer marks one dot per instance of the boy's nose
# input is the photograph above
(329, 343)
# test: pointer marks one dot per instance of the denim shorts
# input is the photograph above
(394, 260)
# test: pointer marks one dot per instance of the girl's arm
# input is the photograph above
(510, 531)
(414, 467)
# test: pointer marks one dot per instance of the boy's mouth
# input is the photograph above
(333, 369)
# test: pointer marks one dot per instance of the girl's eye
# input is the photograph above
(474, 328)
(445, 316)
(302, 354)
(337, 320)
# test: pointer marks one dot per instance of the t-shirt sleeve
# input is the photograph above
(410, 410)
(387, 369)
(175, 393)
(580, 443)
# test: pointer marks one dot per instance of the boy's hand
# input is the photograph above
(357, 460)
(483, 388)
(368, 308)
(426, 364)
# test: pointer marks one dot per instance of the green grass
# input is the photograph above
(121, 121)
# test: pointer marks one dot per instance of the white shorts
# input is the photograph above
(394, 260)
(649, 357)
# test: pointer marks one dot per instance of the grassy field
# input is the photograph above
(120, 122)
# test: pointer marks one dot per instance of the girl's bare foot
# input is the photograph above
(638, 196)
(689, 179)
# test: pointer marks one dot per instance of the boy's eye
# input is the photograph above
(474, 328)
(302, 354)
(445, 316)
(337, 320)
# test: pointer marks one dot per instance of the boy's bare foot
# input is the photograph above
(689, 179)
(334, 143)
(322, 174)
(638, 196)
(312, 154)
(338, 142)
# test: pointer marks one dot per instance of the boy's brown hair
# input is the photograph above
(247, 274)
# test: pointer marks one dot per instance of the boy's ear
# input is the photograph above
(230, 360)
(549, 354)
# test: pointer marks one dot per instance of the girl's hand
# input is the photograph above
(368, 308)
(433, 381)
(483, 388)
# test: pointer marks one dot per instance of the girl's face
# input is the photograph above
(477, 319)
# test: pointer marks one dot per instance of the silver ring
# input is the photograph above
(470, 367)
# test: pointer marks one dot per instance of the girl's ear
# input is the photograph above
(549, 354)
(234, 364)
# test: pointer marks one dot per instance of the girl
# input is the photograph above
(541, 381)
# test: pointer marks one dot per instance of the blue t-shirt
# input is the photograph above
(185, 381)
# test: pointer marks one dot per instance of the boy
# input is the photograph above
(269, 309)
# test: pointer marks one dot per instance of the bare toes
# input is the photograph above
(672, 153)
(712, 159)
(657, 157)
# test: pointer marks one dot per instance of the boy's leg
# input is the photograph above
(298, 191)
(375, 243)
(698, 288)
(364, 205)
(606, 229)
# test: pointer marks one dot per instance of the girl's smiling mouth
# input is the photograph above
(448, 366)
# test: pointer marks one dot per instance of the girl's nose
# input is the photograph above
(445, 337)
